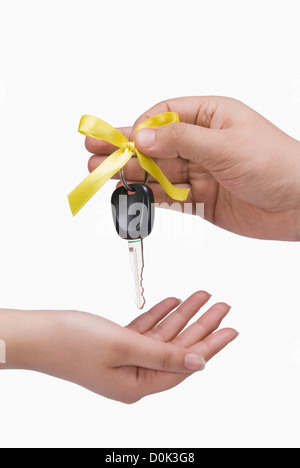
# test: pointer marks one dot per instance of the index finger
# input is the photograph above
(100, 147)
(194, 110)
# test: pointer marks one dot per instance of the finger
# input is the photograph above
(205, 326)
(197, 144)
(176, 170)
(169, 328)
(198, 110)
(215, 342)
(163, 200)
(162, 381)
(93, 145)
(142, 351)
(150, 319)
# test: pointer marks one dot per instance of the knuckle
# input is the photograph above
(165, 359)
(91, 164)
(141, 119)
(159, 332)
(94, 162)
(200, 327)
(178, 131)
(179, 341)
(88, 143)
(224, 156)
(135, 326)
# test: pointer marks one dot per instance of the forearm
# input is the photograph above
(27, 338)
(49, 342)
(297, 188)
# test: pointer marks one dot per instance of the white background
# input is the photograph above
(114, 59)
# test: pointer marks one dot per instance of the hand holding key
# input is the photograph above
(151, 355)
(244, 169)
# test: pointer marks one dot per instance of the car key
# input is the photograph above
(133, 214)
(137, 265)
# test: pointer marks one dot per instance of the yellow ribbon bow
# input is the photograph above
(97, 128)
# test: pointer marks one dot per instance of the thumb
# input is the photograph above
(152, 354)
(188, 141)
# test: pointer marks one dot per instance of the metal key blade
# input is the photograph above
(137, 265)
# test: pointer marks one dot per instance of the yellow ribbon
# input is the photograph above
(97, 128)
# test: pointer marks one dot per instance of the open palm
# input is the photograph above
(159, 325)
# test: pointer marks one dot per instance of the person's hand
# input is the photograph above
(151, 355)
(244, 169)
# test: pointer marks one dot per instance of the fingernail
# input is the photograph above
(145, 138)
(180, 301)
(194, 362)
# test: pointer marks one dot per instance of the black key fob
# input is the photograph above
(133, 212)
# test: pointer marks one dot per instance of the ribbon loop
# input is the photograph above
(97, 128)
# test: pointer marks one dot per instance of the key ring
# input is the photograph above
(128, 187)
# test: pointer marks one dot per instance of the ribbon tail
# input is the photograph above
(149, 166)
(89, 186)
